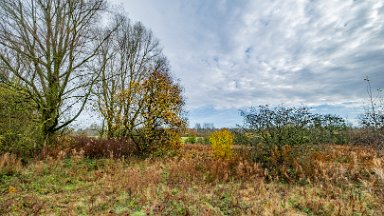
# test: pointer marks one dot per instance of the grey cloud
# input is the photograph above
(233, 54)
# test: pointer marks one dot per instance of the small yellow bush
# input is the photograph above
(222, 142)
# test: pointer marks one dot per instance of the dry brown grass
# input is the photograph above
(9, 164)
(349, 182)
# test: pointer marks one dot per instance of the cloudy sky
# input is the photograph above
(233, 54)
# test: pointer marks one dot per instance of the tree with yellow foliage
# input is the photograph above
(137, 96)
(222, 143)
(162, 112)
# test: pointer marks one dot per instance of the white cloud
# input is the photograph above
(234, 54)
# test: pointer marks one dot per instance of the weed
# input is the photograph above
(9, 165)
(195, 183)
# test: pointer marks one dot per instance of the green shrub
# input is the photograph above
(19, 130)
(222, 142)
(191, 140)
(291, 126)
(279, 125)
(200, 140)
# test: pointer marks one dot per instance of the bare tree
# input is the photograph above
(374, 112)
(372, 119)
(46, 45)
(137, 97)
(125, 63)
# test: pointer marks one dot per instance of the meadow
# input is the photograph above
(319, 180)
(94, 120)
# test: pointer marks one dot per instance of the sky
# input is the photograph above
(233, 54)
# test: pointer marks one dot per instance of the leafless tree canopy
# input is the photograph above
(137, 97)
(46, 45)
(125, 60)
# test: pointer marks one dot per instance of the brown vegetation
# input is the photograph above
(334, 180)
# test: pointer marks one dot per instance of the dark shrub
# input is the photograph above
(279, 125)
(372, 121)
(282, 138)
(329, 129)
(291, 126)
(367, 136)
(99, 148)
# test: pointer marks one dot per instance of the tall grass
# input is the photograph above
(338, 180)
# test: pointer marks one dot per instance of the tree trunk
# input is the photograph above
(49, 121)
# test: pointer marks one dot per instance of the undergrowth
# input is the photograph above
(340, 180)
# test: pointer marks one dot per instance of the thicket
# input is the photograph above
(279, 126)
(372, 120)
(19, 127)
(277, 135)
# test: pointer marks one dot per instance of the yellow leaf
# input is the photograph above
(12, 189)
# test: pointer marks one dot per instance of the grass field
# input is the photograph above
(345, 181)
